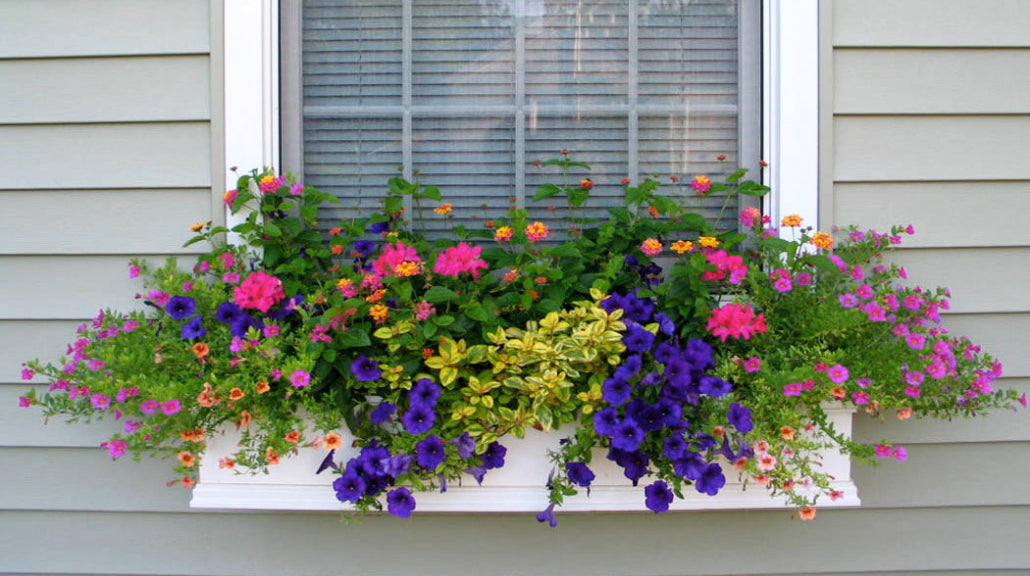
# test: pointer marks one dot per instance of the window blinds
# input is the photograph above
(466, 94)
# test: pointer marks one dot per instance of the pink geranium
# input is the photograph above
(395, 256)
(259, 291)
(458, 259)
(725, 263)
(736, 321)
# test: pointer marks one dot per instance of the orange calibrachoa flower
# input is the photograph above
(444, 208)
(188, 482)
(262, 387)
(208, 397)
(192, 435)
(787, 433)
(708, 241)
(226, 463)
(187, 459)
(838, 392)
(200, 350)
(791, 220)
(332, 441)
(807, 513)
(652, 211)
(292, 437)
(337, 250)
(244, 421)
(822, 240)
(586, 184)
(271, 458)
(905, 413)
(682, 246)
(235, 394)
(335, 231)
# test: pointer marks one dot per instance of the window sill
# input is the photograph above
(518, 487)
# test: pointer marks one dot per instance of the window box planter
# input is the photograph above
(517, 487)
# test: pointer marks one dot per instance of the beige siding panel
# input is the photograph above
(27, 339)
(931, 23)
(67, 287)
(85, 221)
(25, 426)
(104, 89)
(949, 475)
(107, 156)
(103, 27)
(1005, 336)
(980, 279)
(896, 148)
(914, 81)
(964, 214)
(586, 544)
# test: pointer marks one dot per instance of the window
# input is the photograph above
(469, 92)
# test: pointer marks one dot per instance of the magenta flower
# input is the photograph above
(838, 374)
(227, 260)
(752, 364)
(230, 277)
(458, 259)
(736, 321)
(259, 291)
(300, 379)
(149, 406)
(116, 448)
(424, 310)
(296, 189)
(24, 402)
(27, 373)
(792, 389)
(134, 271)
(171, 407)
(397, 260)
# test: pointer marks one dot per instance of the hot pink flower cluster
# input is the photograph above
(461, 258)
(397, 260)
(259, 291)
(736, 321)
(725, 263)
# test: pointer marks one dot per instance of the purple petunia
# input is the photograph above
(674, 447)
(714, 386)
(382, 413)
(228, 313)
(418, 419)
(364, 247)
(193, 329)
(616, 391)
(365, 369)
(180, 307)
(711, 480)
(627, 435)
(400, 502)
(606, 421)
(349, 487)
(429, 453)
(580, 474)
(658, 497)
(466, 445)
(494, 456)
(740, 418)
(424, 393)
(379, 227)
(636, 338)
(548, 516)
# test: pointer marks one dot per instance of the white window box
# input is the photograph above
(517, 487)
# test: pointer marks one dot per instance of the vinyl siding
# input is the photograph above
(960, 506)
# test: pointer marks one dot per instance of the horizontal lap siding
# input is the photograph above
(931, 127)
(106, 140)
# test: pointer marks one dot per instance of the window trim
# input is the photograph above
(790, 97)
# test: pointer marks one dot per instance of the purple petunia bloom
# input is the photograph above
(665, 352)
(365, 369)
(714, 386)
(616, 391)
(690, 466)
(711, 480)
(364, 247)
(400, 503)
(382, 413)
(228, 313)
(328, 462)
(477, 472)
(675, 447)
(636, 338)
(429, 453)
(548, 516)
(700, 354)
(658, 497)
(380, 227)
(180, 307)
(606, 421)
(396, 465)
(580, 474)
(667, 412)
(418, 419)
(349, 487)
(193, 329)
(627, 436)
(424, 393)
(494, 456)
(466, 445)
(665, 325)
(740, 418)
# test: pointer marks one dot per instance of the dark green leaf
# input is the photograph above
(546, 191)
(438, 294)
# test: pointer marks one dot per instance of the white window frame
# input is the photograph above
(790, 145)
(790, 98)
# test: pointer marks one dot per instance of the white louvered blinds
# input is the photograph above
(467, 93)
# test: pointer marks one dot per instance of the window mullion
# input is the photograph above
(406, 128)
(520, 100)
(633, 125)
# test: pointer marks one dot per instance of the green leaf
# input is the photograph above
(737, 175)
(193, 241)
(750, 188)
(566, 250)
(444, 320)
(546, 191)
(438, 294)
(356, 337)
(432, 192)
(272, 230)
(429, 330)
(399, 185)
(393, 204)
(577, 196)
(477, 312)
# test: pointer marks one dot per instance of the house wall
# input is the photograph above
(109, 135)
